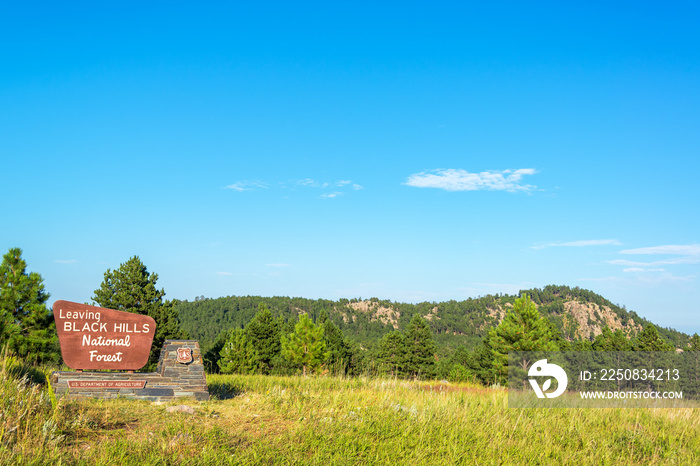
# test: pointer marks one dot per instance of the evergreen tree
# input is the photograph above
(238, 355)
(456, 366)
(263, 331)
(480, 362)
(340, 350)
(609, 341)
(649, 340)
(579, 345)
(305, 346)
(392, 354)
(522, 329)
(460, 356)
(561, 343)
(694, 343)
(691, 359)
(26, 325)
(131, 288)
(419, 348)
(212, 356)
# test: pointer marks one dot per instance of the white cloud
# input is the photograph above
(644, 279)
(681, 260)
(662, 278)
(310, 183)
(334, 188)
(687, 254)
(247, 185)
(676, 261)
(339, 187)
(330, 189)
(603, 279)
(650, 273)
(675, 249)
(582, 243)
(641, 269)
(461, 180)
(627, 263)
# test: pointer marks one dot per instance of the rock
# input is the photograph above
(180, 408)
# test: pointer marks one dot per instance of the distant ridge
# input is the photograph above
(577, 313)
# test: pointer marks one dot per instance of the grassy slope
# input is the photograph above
(294, 420)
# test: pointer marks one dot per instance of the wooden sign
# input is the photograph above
(93, 337)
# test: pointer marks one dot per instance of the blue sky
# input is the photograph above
(403, 150)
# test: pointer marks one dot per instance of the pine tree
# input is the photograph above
(238, 355)
(212, 356)
(522, 329)
(694, 343)
(26, 325)
(305, 346)
(691, 359)
(340, 350)
(480, 362)
(263, 331)
(609, 341)
(649, 340)
(420, 348)
(392, 354)
(131, 288)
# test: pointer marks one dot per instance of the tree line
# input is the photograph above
(271, 345)
(295, 335)
(453, 323)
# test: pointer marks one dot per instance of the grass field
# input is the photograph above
(295, 420)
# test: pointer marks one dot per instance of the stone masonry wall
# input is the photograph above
(172, 379)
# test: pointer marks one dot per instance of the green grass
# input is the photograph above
(295, 420)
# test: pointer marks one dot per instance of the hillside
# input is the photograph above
(577, 313)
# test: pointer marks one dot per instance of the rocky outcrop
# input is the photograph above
(376, 311)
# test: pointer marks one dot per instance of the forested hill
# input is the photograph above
(577, 313)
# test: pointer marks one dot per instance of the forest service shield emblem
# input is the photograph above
(184, 355)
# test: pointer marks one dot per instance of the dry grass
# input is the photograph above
(294, 420)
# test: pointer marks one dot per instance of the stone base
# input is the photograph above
(171, 380)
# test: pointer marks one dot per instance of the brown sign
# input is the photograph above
(99, 384)
(93, 337)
